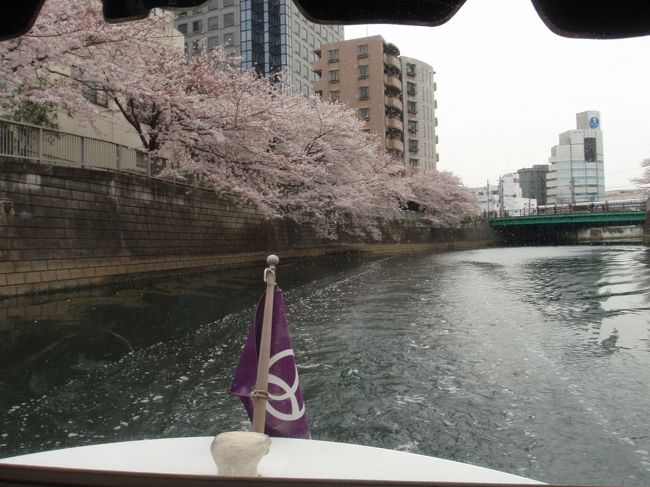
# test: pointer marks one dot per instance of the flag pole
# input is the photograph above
(260, 394)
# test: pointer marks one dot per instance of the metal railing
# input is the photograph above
(32, 142)
(598, 207)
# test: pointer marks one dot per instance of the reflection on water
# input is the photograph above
(534, 360)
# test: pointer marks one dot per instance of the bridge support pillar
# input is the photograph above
(646, 233)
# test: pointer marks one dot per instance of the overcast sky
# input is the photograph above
(507, 86)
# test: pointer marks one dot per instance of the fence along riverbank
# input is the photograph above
(73, 221)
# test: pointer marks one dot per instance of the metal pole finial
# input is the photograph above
(273, 260)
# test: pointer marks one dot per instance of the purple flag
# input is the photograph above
(285, 409)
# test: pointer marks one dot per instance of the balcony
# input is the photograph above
(393, 102)
(393, 82)
(395, 145)
(394, 123)
(390, 60)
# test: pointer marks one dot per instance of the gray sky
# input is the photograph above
(507, 86)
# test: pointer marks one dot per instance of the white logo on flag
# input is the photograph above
(289, 392)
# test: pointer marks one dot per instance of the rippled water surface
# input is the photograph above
(534, 361)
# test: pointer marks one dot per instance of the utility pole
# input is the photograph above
(501, 196)
(488, 198)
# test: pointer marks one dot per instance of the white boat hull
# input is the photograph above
(288, 458)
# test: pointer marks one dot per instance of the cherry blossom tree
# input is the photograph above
(71, 48)
(443, 198)
(243, 135)
(645, 177)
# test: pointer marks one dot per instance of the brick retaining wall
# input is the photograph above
(64, 227)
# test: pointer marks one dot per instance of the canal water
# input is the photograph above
(535, 361)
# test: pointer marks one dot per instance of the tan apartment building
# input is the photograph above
(365, 74)
(394, 94)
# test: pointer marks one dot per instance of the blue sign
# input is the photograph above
(594, 122)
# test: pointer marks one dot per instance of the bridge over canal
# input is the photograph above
(573, 227)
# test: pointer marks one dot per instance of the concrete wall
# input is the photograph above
(646, 235)
(63, 227)
(616, 234)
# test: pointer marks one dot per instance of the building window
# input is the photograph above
(590, 149)
(214, 4)
(364, 113)
(411, 88)
(334, 96)
(410, 69)
(182, 28)
(333, 55)
(95, 95)
(228, 39)
(228, 19)
(364, 92)
(213, 23)
(413, 145)
(363, 72)
(362, 50)
(414, 163)
(197, 26)
(213, 42)
(412, 107)
(228, 3)
(334, 76)
(413, 126)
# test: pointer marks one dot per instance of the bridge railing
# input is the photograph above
(606, 207)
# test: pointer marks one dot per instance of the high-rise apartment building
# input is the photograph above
(269, 35)
(420, 138)
(367, 74)
(577, 163)
(533, 182)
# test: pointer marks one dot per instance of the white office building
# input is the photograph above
(504, 197)
(271, 36)
(576, 173)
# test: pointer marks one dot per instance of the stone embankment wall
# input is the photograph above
(63, 227)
